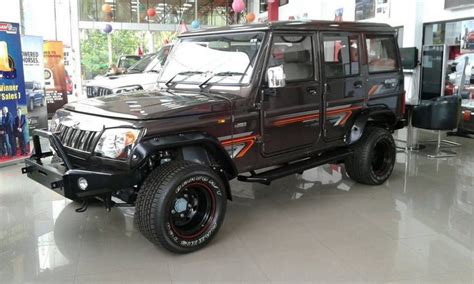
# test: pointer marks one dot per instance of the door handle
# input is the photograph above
(312, 91)
(358, 84)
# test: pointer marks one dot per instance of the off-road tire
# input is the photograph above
(31, 105)
(374, 157)
(158, 198)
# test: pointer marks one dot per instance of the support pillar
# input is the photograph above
(273, 6)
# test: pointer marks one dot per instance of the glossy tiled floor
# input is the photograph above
(319, 226)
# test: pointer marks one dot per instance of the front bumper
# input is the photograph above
(63, 177)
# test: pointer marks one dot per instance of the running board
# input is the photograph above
(297, 167)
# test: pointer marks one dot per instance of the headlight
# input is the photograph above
(117, 143)
(127, 89)
(54, 123)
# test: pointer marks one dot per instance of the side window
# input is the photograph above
(381, 53)
(341, 55)
(295, 53)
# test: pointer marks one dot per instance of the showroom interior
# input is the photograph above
(237, 141)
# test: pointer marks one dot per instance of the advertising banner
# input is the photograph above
(69, 67)
(14, 135)
(54, 76)
(33, 65)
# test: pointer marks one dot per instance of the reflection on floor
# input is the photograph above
(319, 226)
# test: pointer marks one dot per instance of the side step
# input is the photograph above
(297, 167)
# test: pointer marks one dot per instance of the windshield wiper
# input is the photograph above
(184, 73)
(223, 74)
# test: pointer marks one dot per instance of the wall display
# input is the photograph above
(364, 9)
(457, 4)
(33, 65)
(54, 76)
(338, 14)
(367, 9)
(382, 9)
(14, 135)
(467, 36)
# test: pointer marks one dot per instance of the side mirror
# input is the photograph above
(276, 77)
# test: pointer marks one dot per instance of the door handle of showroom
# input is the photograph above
(358, 84)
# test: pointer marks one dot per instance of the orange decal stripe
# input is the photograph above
(373, 90)
(295, 119)
(291, 120)
(248, 140)
(346, 117)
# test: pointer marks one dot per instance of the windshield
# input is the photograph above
(216, 59)
(127, 61)
(142, 63)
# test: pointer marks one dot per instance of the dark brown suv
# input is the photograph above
(253, 102)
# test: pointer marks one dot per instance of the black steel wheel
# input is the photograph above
(374, 157)
(181, 206)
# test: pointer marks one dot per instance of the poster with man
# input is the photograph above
(14, 134)
(54, 76)
(33, 65)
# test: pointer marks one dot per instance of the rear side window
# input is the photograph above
(381, 53)
(341, 55)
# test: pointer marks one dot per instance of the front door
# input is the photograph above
(290, 115)
(345, 87)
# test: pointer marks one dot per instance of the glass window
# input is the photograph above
(341, 55)
(399, 32)
(295, 53)
(381, 53)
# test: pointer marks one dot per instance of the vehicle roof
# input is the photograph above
(299, 26)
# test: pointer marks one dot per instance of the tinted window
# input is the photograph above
(295, 53)
(341, 55)
(381, 53)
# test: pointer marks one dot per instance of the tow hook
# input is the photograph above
(83, 207)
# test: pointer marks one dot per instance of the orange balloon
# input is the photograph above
(106, 8)
(250, 17)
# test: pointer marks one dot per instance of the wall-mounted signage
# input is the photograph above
(458, 4)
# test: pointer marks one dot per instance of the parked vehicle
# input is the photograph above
(457, 68)
(467, 122)
(256, 102)
(142, 75)
(126, 61)
(35, 95)
(470, 40)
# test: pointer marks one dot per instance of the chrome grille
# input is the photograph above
(97, 91)
(77, 139)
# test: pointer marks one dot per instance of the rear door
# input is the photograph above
(344, 84)
(290, 115)
(385, 79)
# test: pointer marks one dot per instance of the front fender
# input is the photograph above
(210, 143)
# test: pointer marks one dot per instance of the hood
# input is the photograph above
(151, 105)
(117, 81)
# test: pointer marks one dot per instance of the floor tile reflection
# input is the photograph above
(318, 226)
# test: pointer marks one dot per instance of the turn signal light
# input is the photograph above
(466, 115)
